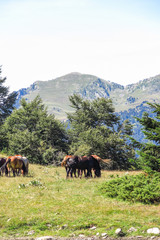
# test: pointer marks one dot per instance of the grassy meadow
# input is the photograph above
(46, 203)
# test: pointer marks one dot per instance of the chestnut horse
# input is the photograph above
(64, 161)
(16, 164)
(25, 160)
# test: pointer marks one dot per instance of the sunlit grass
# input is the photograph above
(45, 203)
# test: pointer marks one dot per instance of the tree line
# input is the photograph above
(94, 128)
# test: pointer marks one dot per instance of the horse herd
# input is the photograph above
(18, 164)
(76, 165)
(87, 164)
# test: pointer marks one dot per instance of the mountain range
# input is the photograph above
(129, 101)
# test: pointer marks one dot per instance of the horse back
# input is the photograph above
(83, 162)
(16, 163)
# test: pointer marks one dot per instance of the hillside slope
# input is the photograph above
(54, 93)
(129, 101)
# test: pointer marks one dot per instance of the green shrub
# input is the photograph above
(140, 188)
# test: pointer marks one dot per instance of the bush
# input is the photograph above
(140, 188)
(52, 156)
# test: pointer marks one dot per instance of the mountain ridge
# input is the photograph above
(129, 101)
(55, 92)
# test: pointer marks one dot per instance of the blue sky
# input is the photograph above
(117, 40)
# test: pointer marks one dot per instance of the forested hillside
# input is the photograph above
(129, 101)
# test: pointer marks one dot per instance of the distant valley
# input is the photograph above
(129, 101)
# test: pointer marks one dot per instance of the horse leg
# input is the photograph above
(81, 171)
(71, 172)
(94, 173)
(19, 172)
(9, 172)
(78, 172)
(6, 171)
(85, 174)
(89, 173)
(14, 173)
(75, 172)
(68, 171)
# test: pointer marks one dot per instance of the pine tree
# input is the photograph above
(7, 100)
(150, 151)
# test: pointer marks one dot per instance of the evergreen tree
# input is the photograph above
(95, 129)
(30, 131)
(7, 100)
(150, 151)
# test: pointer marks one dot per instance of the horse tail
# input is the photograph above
(24, 168)
(101, 160)
(106, 160)
(97, 158)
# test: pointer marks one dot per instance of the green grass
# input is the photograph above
(48, 204)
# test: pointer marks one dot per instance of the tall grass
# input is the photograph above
(45, 203)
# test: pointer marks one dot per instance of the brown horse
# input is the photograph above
(25, 160)
(85, 163)
(71, 165)
(64, 163)
(16, 164)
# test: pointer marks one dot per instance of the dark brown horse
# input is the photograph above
(72, 165)
(2, 169)
(64, 163)
(85, 163)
